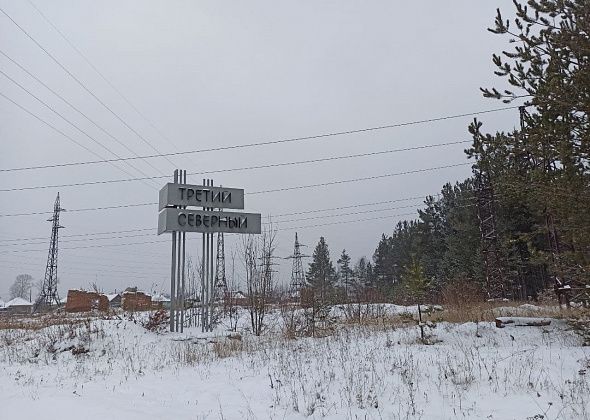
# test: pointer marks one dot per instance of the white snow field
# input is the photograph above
(381, 371)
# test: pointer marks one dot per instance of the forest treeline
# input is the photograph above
(523, 218)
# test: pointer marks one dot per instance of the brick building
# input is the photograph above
(83, 301)
(136, 301)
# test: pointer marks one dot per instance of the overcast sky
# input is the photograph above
(209, 74)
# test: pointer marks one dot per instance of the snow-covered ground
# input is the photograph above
(380, 371)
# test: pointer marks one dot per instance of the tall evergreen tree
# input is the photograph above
(384, 266)
(321, 274)
(345, 274)
(546, 163)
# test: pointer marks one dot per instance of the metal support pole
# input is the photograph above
(212, 274)
(178, 302)
(183, 279)
(202, 300)
(173, 274)
(205, 277)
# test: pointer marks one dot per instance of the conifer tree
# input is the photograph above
(321, 273)
(545, 165)
(344, 271)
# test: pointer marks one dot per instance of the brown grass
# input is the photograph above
(39, 321)
(227, 347)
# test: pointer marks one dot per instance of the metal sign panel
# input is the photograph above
(201, 196)
(187, 220)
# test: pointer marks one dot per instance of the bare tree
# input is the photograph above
(258, 257)
(22, 286)
(193, 288)
(229, 300)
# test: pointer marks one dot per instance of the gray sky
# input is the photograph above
(211, 74)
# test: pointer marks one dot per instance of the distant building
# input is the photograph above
(114, 300)
(18, 306)
(235, 298)
(160, 302)
(132, 300)
(83, 301)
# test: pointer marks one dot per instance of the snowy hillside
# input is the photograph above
(115, 368)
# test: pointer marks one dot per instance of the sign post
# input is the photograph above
(177, 218)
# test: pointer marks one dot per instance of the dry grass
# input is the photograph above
(37, 322)
(228, 347)
(489, 311)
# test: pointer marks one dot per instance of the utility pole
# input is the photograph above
(297, 273)
(486, 213)
(220, 290)
(48, 295)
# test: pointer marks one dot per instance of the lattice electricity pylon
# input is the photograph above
(489, 238)
(48, 295)
(496, 283)
(220, 288)
(297, 273)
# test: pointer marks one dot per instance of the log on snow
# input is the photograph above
(504, 321)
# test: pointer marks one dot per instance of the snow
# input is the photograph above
(378, 371)
(112, 296)
(18, 302)
(160, 298)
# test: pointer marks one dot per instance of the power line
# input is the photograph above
(92, 246)
(246, 168)
(345, 221)
(346, 181)
(85, 235)
(74, 125)
(72, 106)
(80, 83)
(284, 221)
(102, 76)
(327, 216)
(35, 213)
(112, 232)
(156, 203)
(49, 125)
(82, 239)
(350, 156)
(352, 206)
(271, 142)
(167, 240)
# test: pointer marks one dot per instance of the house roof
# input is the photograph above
(18, 302)
(112, 296)
(160, 298)
(2, 303)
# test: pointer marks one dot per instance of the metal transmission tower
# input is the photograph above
(220, 289)
(49, 295)
(297, 273)
(486, 213)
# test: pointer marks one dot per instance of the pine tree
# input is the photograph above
(344, 271)
(321, 274)
(545, 164)
(415, 281)
(384, 267)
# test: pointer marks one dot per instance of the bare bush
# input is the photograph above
(157, 321)
(258, 257)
